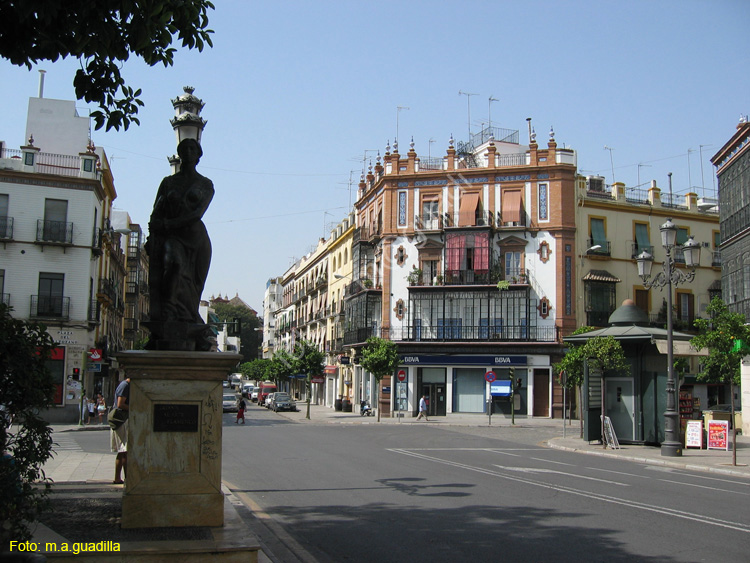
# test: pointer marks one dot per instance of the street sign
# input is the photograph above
(490, 376)
(401, 375)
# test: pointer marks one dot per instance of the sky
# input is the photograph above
(299, 93)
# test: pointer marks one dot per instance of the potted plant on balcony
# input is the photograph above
(367, 283)
(415, 276)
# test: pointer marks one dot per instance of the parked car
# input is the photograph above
(254, 396)
(282, 402)
(229, 401)
(269, 400)
(247, 390)
(225, 384)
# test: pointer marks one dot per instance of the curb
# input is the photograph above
(650, 461)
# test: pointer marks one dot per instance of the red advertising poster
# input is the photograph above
(718, 434)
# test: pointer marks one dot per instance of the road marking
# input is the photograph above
(618, 472)
(700, 518)
(704, 487)
(65, 443)
(557, 462)
(542, 470)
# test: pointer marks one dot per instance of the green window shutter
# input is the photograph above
(597, 232)
(641, 236)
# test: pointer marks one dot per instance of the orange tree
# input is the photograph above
(379, 357)
(726, 337)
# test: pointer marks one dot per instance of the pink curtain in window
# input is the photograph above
(481, 252)
(455, 250)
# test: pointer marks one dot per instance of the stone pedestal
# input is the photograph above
(174, 440)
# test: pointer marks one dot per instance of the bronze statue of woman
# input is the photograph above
(179, 252)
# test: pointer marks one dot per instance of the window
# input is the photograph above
(4, 223)
(598, 234)
(490, 330)
(642, 242)
(50, 298)
(600, 302)
(642, 300)
(682, 238)
(685, 309)
(449, 329)
(466, 257)
(430, 271)
(55, 220)
(430, 214)
(512, 265)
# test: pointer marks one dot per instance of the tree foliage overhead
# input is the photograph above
(102, 34)
(726, 337)
(26, 387)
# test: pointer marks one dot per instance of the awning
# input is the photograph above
(467, 212)
(679, 348)
(601, 276)
(511, 206)
(331, 370)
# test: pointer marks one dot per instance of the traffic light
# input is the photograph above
(76, 373)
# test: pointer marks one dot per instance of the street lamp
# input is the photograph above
(671, 447)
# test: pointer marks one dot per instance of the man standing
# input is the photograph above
(423, 408)
(119, 436)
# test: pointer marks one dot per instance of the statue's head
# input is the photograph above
(182, 149)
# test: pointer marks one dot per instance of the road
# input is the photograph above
(414, 492)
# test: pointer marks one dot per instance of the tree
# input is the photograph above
(102, 35)
(308, 360)
(250, 339)
(726, 337)
(257, 370)
(379, 357)
(26, 387)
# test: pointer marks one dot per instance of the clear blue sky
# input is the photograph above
(296, 92)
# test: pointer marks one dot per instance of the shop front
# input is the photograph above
(457, 383)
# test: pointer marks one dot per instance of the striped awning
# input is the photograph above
(601, 276)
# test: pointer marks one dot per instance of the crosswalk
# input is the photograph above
(64, 442)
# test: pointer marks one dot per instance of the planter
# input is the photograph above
(346, 405)
(337, 406)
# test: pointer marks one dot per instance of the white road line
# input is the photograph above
(700, 518)
(618, 472)
(541, 470)
(704, 487)
(556, 462)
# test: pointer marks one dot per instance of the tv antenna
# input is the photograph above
(611, 161)
(398, 111)
(489, 111)
(468, 105)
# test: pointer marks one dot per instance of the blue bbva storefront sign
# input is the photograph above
(427, 360)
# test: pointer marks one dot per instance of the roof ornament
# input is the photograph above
(31, 140)
(388, 146)
(451, 141)
(395, 145)
(411, 145)
(533, 135)
(551, 133)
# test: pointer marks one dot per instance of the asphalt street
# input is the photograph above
(411, 492)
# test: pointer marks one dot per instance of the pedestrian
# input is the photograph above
(423, 408)
(84, 407)
(240, 411)
(91, 406)
(119, 436)
(101, 408)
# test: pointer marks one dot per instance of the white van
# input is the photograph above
(235, 380)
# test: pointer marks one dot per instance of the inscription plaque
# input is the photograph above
(175, 418)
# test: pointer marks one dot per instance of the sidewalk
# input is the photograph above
(83, 488)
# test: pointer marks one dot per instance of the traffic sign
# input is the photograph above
(401, 375)
(490, 376)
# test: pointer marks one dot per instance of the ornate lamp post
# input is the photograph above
(671, 447)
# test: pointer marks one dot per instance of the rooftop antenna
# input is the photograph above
(703, 183)
(429, 146)
(611, 161)
(468, 104)
(41, 82)
(489, 110)
(528, 121)
(690, 181)
(398, 111)
(639, 172)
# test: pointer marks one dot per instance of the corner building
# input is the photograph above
(434, 238)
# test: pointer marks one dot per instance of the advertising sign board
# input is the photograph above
(718, 434)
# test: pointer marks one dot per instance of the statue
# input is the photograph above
(179, 251)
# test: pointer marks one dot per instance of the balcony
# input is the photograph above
(94, 311)
(6, 228)
(466, 333)
(716, 259)
(467, 277)
(97, 242)
(54, 232)
(637, 249)
(605, 247)
(107, 290)
(428, 222)
(49, 307)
